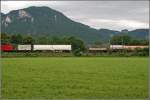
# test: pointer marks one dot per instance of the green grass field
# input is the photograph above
(74, 78)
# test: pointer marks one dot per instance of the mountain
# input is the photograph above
(139, 33)
(48, 22)
(107, 34)
(44, 21)
(136, 34)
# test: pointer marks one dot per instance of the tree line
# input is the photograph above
(27, 39)
(127, 40)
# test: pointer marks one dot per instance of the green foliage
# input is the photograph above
(127, 40)
(142, 52)
(5, 38)
(139, 42)
(17, 39)
(28, 40)
(57, 40)
(120, 40)
(78, 46)
(77, 52)
(42, 40)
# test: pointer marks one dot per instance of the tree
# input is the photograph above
(121, 40)
(42, 40)
(56, 40)
(16, 39)
(28, 40)
(145, 42)
(5, 38)
(135, 42)
(78, 46)
(65, 40)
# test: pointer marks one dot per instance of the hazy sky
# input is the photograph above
(116, 15)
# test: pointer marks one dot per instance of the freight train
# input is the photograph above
(65, 48)
(35, 47)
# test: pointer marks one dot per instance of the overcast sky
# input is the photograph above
(116, 15)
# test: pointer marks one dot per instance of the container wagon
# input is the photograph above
(51, 47)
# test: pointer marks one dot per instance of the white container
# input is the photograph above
(24, 47)
(43, 47)
(116, 46)
(62, 47)
(132, 47)
(52, 47)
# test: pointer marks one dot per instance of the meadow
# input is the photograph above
(75, 78)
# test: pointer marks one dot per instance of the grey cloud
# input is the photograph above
(114, 11)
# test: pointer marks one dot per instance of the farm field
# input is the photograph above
(75, 78)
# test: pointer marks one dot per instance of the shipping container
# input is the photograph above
(52, 47)
(127, 47)
(116, 47)
(62, 47)
(42, 47)
(24, 47)
(132, 47)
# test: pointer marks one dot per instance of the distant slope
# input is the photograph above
(44, 21)
(136, 34)
(139, 33)
(107, 34)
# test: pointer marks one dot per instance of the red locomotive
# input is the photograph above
(6, 47)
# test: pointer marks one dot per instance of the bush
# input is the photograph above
(77, 52)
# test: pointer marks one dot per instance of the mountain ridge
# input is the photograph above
(38, 21)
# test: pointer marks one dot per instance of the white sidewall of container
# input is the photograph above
(52, 47)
